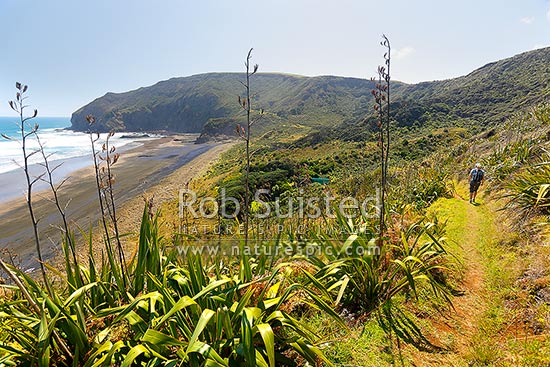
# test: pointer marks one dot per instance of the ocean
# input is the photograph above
(70, 147)
(62, 144)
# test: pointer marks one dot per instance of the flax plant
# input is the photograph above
(68, 240)
(244, 133)
(27, 131)
(103, 161)
(381, 93)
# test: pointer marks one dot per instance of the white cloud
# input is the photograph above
(401, 53)
(527, 20)
(548, 14)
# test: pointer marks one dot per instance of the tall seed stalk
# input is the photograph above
(110, 159)
(104, 185)
(61, 209)
(245, 135)
(381, 93)
(19, 107)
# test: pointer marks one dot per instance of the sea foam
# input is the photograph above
(59, 143)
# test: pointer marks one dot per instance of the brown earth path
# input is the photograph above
(470, 228)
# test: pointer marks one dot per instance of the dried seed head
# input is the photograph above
(90, 119)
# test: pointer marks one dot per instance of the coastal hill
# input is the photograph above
(207, 103)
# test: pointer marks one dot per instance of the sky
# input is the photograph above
(70, 52)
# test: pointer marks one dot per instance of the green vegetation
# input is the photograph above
(530, 189)
(174, 312)
(326, 107)
(162, 308)
(445, 282)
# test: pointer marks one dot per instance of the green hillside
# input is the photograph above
(208, 102)
(483, 98)
(492, 92)
(187, 104)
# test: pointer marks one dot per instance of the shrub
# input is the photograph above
(529, 190)
(367, 279)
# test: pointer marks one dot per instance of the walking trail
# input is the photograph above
(470, 229)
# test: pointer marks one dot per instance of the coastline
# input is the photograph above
(150, 167)
(14, 185)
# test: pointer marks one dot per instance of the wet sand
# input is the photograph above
(159, 167)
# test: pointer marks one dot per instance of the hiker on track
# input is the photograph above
(476, 180)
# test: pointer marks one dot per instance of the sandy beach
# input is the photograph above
(157, 168)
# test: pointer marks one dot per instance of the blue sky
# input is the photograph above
(73, 51)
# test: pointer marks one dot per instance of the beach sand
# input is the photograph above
(158, 168)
